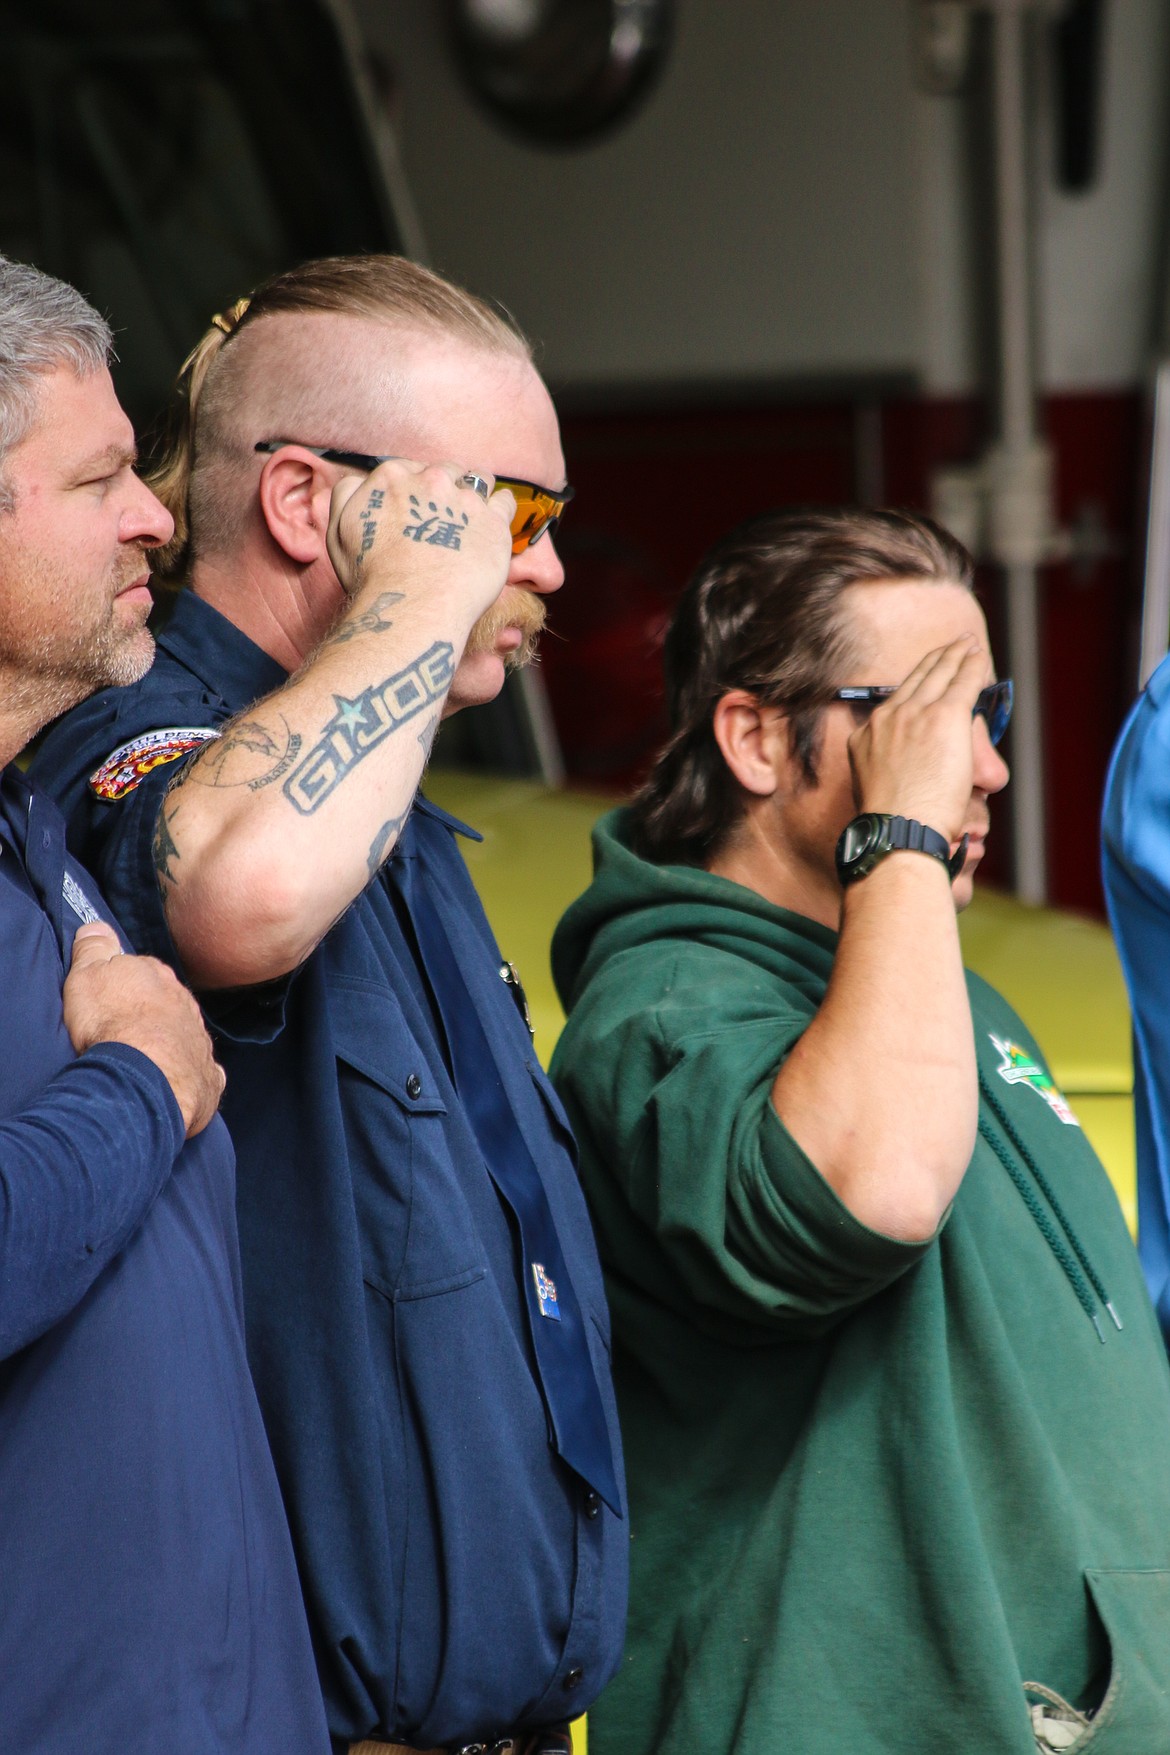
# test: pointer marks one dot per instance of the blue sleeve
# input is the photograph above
(79, 1170)
(1135, 845)
(1136, 817)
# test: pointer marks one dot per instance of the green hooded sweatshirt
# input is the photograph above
(875, 1487)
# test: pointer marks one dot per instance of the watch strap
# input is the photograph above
(902, 835)
(906, 834)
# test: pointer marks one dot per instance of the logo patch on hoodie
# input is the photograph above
(1016, 1067)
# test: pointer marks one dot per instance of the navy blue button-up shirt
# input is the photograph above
(148, 1592)
(459, 1578)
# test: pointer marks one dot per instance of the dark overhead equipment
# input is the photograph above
(561, 72)
(165, 155)
(1076, 36)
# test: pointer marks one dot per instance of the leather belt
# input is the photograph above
(551, 1742)
(502, 1746)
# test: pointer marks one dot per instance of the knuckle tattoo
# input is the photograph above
(440, 526)
(369, 522)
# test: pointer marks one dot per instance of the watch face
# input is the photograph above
(862, 843)
(856, 839)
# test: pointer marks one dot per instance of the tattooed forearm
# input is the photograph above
(229, 761)
(372, 621)
(382, 843)
(360, 725)
(280, 767)
(163, 847)
(245, 734)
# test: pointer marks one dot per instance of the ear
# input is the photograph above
(753, 741)
(295, 492)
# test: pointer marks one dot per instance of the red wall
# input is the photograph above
(656, 487)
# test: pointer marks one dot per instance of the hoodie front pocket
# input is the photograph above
(1134, 1717)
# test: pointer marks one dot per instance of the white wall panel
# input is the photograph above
(756, 218)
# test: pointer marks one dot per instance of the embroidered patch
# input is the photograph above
(77, 899)
(127, 767)
(546, 1292)
(1016, 1067)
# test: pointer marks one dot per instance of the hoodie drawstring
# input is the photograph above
(1080, 1282)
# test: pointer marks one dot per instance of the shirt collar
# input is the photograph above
(427, 809)
(15, 794)
(215, 650)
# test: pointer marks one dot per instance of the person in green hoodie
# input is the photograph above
(896, 1409)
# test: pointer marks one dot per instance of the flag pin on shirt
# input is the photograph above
(546, 1292)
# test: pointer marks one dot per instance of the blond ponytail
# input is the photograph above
(170, 477)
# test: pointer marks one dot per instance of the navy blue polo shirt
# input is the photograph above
(460, 1579)
(148, 1593)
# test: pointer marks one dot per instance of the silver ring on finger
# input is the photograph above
(476, 483)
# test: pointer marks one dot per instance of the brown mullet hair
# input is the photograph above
(764, 613)
(382, 287)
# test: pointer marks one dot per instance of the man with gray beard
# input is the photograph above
(425, 1313)
(150, 1599)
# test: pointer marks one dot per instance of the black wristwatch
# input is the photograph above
(865, 841)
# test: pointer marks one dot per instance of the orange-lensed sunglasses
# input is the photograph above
(538, 509)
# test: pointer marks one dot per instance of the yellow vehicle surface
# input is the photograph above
(1058, 970)
(1061, 973)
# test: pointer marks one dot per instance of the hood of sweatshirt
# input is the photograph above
(633, 901)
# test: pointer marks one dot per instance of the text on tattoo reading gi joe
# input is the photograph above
(358, 726)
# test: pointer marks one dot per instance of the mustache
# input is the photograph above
(514, 608)
(133, 565)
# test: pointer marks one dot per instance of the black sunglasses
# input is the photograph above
(538, 509)
(994, 702)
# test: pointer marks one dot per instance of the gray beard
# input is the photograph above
(50, 682)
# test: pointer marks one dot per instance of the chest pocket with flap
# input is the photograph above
(415, 1183)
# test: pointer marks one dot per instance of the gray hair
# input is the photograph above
(44, 323)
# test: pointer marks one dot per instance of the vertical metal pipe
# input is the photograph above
(1018, 427)
(1017, 412)
(392, 182)
(1027, 788)
(542, 730)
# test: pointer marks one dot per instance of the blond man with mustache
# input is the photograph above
(426, 1319)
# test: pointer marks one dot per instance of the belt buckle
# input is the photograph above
(502, 1746)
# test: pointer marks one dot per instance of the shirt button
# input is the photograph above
(592, 1503)
(413, 1085)
(573, 1680)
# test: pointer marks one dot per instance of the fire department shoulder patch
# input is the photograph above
(126, 767)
